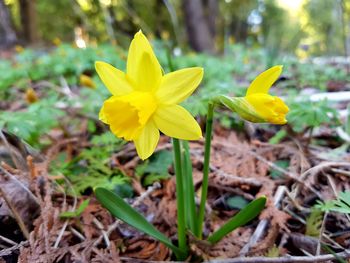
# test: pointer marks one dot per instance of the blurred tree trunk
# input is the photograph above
(28, 20)
(199, 24)
(212, 12)
(109, 17)
(8, 35)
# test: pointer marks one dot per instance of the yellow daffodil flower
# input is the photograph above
(272, 109)
(87, 81)
(31, 96)
(145, 101)
(257, 105)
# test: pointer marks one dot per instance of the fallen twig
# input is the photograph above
(260, 229)
(104, 233)
(13, 157)
(9, 251)
(12, 177)
(286, 259)
(60, 235)
(9, 241)
(19, 220)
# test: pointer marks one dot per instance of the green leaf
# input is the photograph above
(314, 223)
(242, 218)
(280, 135)
(123, 190)
(277, 174)
(76, 213)
(120, 209)
(340, 205)
(160, 163)
(189, 195)
(151, 178)
(236, 202)
(155, 168)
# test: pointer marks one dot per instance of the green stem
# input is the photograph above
(208, 132)
(181, 232)
(190, 204)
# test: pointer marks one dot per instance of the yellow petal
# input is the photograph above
(143, 67)
(271, 108)
(114, 79)
(147, 141)
(176, 122)
(102, 115)
(178, 85)
(149, 75)
(263, 82)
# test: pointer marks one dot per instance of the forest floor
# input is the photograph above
(239, 168)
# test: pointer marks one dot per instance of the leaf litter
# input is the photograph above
(240, 167)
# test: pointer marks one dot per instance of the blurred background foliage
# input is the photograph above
(303, 27)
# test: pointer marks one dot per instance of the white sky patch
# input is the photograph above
(291, 5)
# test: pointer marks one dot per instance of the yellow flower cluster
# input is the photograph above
(145, 101)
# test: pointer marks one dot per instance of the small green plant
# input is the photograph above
(273, 252)
(314, 223)
(277, 173)
(77, 212)
(306, 115)
(34, 121)
(91, 168)
(155, 168)
(340, 205)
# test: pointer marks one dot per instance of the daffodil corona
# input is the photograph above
(145, 101)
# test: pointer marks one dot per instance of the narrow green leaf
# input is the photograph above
(278, 137)
(190, 205)
(77, 212)
(82, 206)
(120, 209)
(331, 251)
(243, 217)
(68, 214)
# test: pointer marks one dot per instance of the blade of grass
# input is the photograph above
(120, 209)
(189, 188)
(243, 217)
(180, 201)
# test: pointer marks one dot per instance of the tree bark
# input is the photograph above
(8, 36)
(212, 12)
(198, 31)
(28, 20)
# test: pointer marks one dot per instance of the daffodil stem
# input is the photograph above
(208, 132)
(181, 224)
